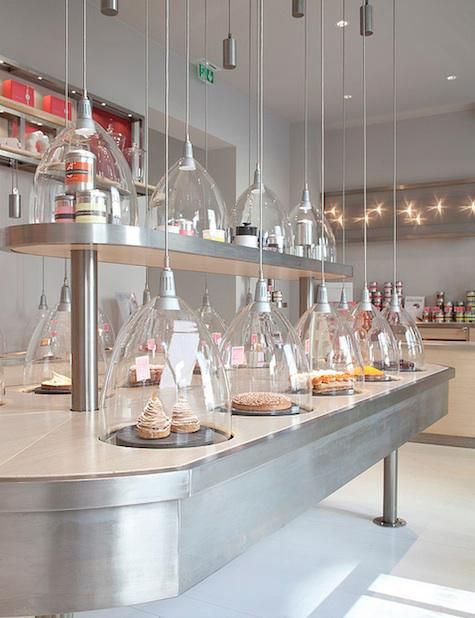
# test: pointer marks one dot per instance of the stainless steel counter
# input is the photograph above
(85, 525)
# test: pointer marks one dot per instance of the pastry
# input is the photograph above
(183, 419)
(153, 423)
(331, 381)
(369, 371)
(57, 383)
(256, 402)
(155, 376)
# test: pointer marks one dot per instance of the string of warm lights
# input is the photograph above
(412, 214)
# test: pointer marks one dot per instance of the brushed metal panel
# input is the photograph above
(69, 561)
(224, 520)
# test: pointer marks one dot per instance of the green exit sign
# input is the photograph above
(206, 72)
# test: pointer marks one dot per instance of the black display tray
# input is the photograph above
(128, 436)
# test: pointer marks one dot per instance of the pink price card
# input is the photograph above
(151, 345)
(237, 355)
(142, 367)
(216, 337)
(307, 346)
(253, 338)
(106, 327)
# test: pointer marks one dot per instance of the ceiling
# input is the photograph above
(434, 39)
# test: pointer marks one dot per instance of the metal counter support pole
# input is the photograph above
(390, 518)
(84, 330)
(306, 294)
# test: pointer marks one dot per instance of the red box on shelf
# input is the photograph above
(56, 105)
(17, 91)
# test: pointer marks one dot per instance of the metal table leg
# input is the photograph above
(390, 518)
(84, 330)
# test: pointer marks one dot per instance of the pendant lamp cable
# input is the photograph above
(66, 61)
(187, 86)
(250, 92)
(322, 135)
(394, 150)
(167, 95)
(365, 222)
(206, 83)
(305, 105)
(65, 269)
(258, 120)
(261, 132)
(42, 276)
(229, 17)
(84, 48)
(343, 163)
(146, 117)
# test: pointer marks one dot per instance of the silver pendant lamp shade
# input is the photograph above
(263, 356)
(298, 8)
(229, 46)
(103, 192)
(329, 345)
(110, 8)
(196, 206)
(166, 385)
(306, 220)
(403, 326)
(378, 345)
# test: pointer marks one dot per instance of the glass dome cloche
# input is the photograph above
(265, 361)
(83, 177)
(244, 218)
(165, 386)
(408, 337)
(211, 319)
(196, 206)
(377, 344)
(333, 355)
(48, 355)
(306, 232)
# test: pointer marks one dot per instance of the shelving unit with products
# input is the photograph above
(20, 120)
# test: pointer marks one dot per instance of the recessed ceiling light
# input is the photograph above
(451, 78)
(347, 96)
(2, 61)
(73, 92)
(342, 23)
(129, 115)
(39, 77)
(103, 104)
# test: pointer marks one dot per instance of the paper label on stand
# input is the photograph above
(182, 355)
(307, 346)
(151, 345)
(253, 338)
(106, 327)
(237, 356)
(216, 337)
(142, 367)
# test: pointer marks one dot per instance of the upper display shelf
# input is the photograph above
(123, 244)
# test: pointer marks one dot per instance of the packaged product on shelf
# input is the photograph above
(91, 206)
(80, 171)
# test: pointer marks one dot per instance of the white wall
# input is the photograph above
(432, 148)
(32, 33)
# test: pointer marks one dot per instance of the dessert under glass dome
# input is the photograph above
(265, 361)
(83, 177)
(244, 218)
(333, 355)
(165, 376)
(196, 205)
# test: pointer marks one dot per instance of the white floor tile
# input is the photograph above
(184, 607)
